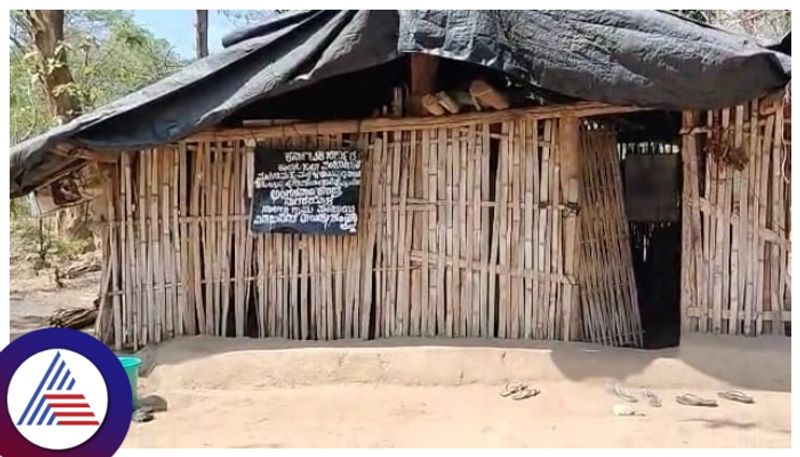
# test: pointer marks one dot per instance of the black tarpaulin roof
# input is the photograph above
(644, 58)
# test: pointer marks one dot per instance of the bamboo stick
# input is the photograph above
(542, 258)
(486, 301)
(403, 306)
(130, 321)
(777, 275)
(208, 206)
(721, 245)
(449, 219)
(442, 308)
(196, 234)
(733, 283)
(514, 250)
(168, 269)
(763, 183)
(533, 214)
(457, 229)
(460, 231)
(748, 223)
(155, 277)
(570, 144)
(473, 242)
(113, 269)
(181, 233)
(430, 150)
(374, 295)
(555, 234)
(145, 174)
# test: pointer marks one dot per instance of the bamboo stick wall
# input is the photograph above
(464, 230)
(479, 228)
(736, 219)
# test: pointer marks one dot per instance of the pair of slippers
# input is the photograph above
(519, 391)
(731, 395)
(649, 396)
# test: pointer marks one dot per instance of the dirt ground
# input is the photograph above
(35, 298)
(440, 393)
(564, 415)
(433, 393)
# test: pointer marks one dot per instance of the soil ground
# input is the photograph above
(35, 298)
(437, 393)
(440, 393)
(565, 415)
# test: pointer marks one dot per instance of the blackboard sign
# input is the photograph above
(306, 191)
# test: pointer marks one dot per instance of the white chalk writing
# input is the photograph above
(302, 189)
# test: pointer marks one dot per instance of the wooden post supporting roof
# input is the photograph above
(570, 178)
(422, 77)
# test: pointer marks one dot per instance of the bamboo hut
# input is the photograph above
(616, 177)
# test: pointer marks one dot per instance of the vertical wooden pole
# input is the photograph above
(486, 301)
(442, 271)
(569, 143)
(423, 68)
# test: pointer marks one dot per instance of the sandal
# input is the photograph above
(617, 390)
(512, 388)
(526, 392)
(737, 396)
(653, 399)
(694, 400)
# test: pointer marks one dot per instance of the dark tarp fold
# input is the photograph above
(644, 58)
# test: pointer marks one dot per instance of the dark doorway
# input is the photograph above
(656, 249)
(648, 144)
(651, 170)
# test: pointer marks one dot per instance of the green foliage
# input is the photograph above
(108, 54)
(36, 243)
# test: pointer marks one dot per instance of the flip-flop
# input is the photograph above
(617, 390)
(526, 392)
(737, 396)
(512, 388)
(653, 399)
(694, 400)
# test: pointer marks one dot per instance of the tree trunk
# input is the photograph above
(201, 27)
(46, 29)
(47, 33)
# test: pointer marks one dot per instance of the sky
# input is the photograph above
(177, 27)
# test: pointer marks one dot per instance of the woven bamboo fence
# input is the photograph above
(736, 204)
(465, 230)
(610, 307)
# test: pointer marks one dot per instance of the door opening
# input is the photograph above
(651, 170)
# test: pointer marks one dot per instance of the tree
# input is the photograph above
(46, 29)
(63, 63)
(244, 18)
(201, 35)
(108, 56)
(767, 25)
